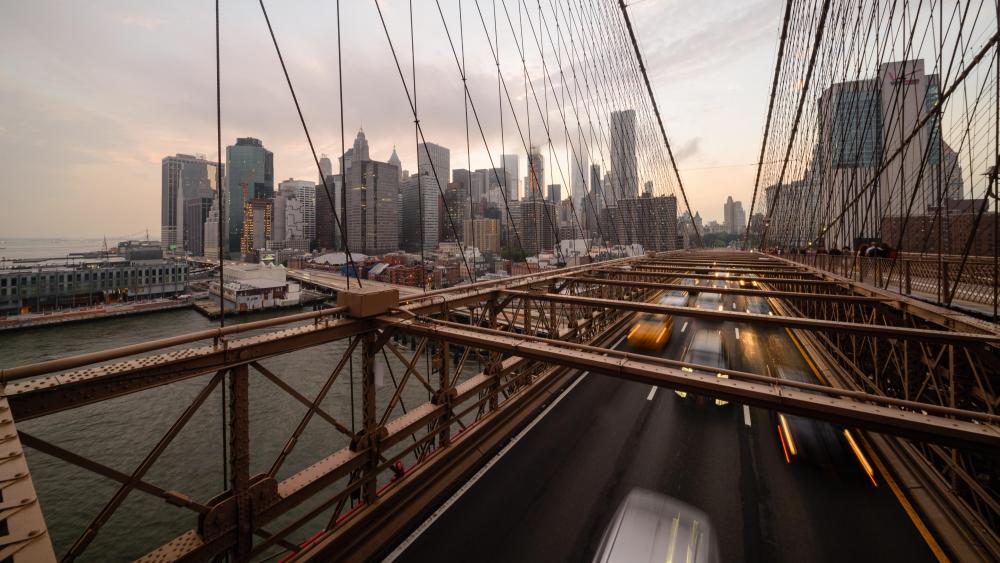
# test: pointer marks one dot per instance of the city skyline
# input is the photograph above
(123, 122)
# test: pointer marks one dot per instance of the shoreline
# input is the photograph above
(39, 320)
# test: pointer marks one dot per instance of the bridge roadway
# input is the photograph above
(551, 495)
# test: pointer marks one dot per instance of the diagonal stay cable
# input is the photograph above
(312, 148)
(420, 130)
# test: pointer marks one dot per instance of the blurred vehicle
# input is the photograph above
(651, 331)
(758, 305)
(675, 298)
(816, 442)
(705, 349)
(709, 301)
(649, 527)
(748, 281)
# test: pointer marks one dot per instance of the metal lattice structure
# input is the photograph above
(486, 358)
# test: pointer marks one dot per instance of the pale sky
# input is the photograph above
(94, 94)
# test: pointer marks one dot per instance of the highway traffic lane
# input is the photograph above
(551, 496)
(533, 504)
(821, 507)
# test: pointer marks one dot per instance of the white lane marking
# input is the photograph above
(734, 304)
(685, 327)
(746, 415)
(652, 391)
(737, 332)
(479, 474)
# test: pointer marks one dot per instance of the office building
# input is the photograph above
(289, 217)
(210, 233)
(258, 225)
(594, 203)
(555, 193)
(196, 211)
(483, 234)
(327, 205)
(372, 201)
(434, 161)
(183, 177)
(535, 180)
(536, 227)
(305, 192)
(511, 173)
(419, 228)
(734, 219)
(578, 183)
(249, 176)
(861, 123)
(624, 167)
(792, 214)
(394, 160)
(648, 220)
(452, 212)
(325, 168)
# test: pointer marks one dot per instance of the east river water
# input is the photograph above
(120, 432)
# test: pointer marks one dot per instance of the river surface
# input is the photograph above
(121, 432)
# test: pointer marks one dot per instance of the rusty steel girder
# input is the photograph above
(531, 334)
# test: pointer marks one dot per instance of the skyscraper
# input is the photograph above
(594, 203)
(372, 194)
(734, 218)
(435, 161)
(325, 167)
(250, 175)
(624, 169)
(511, 172)
(419, 221)
(535, 180)
(304, 192)
(578, 188)
(210, 236)
(183, 177)
(536, 227)
(327, 233)
(555, 193)
(394, 160)
(258, 224)
(196, 210)
(860, 123)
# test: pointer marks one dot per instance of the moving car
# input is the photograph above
(709, 301)
(651, 331)
(650, 527)
(675, 298)
(819, 443)
(705, 349)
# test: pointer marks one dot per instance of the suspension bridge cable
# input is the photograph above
(312, 148)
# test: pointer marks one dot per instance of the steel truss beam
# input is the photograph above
(726, 290)
(767, 395)
(782, 321)
(520, 372)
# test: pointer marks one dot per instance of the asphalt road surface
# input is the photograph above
(550, 497)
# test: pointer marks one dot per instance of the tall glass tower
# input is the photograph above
(250, 175)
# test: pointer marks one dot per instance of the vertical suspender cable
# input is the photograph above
(222, 214)
(767, 121)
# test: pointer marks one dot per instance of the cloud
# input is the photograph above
(144, 22)
(688, 149)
